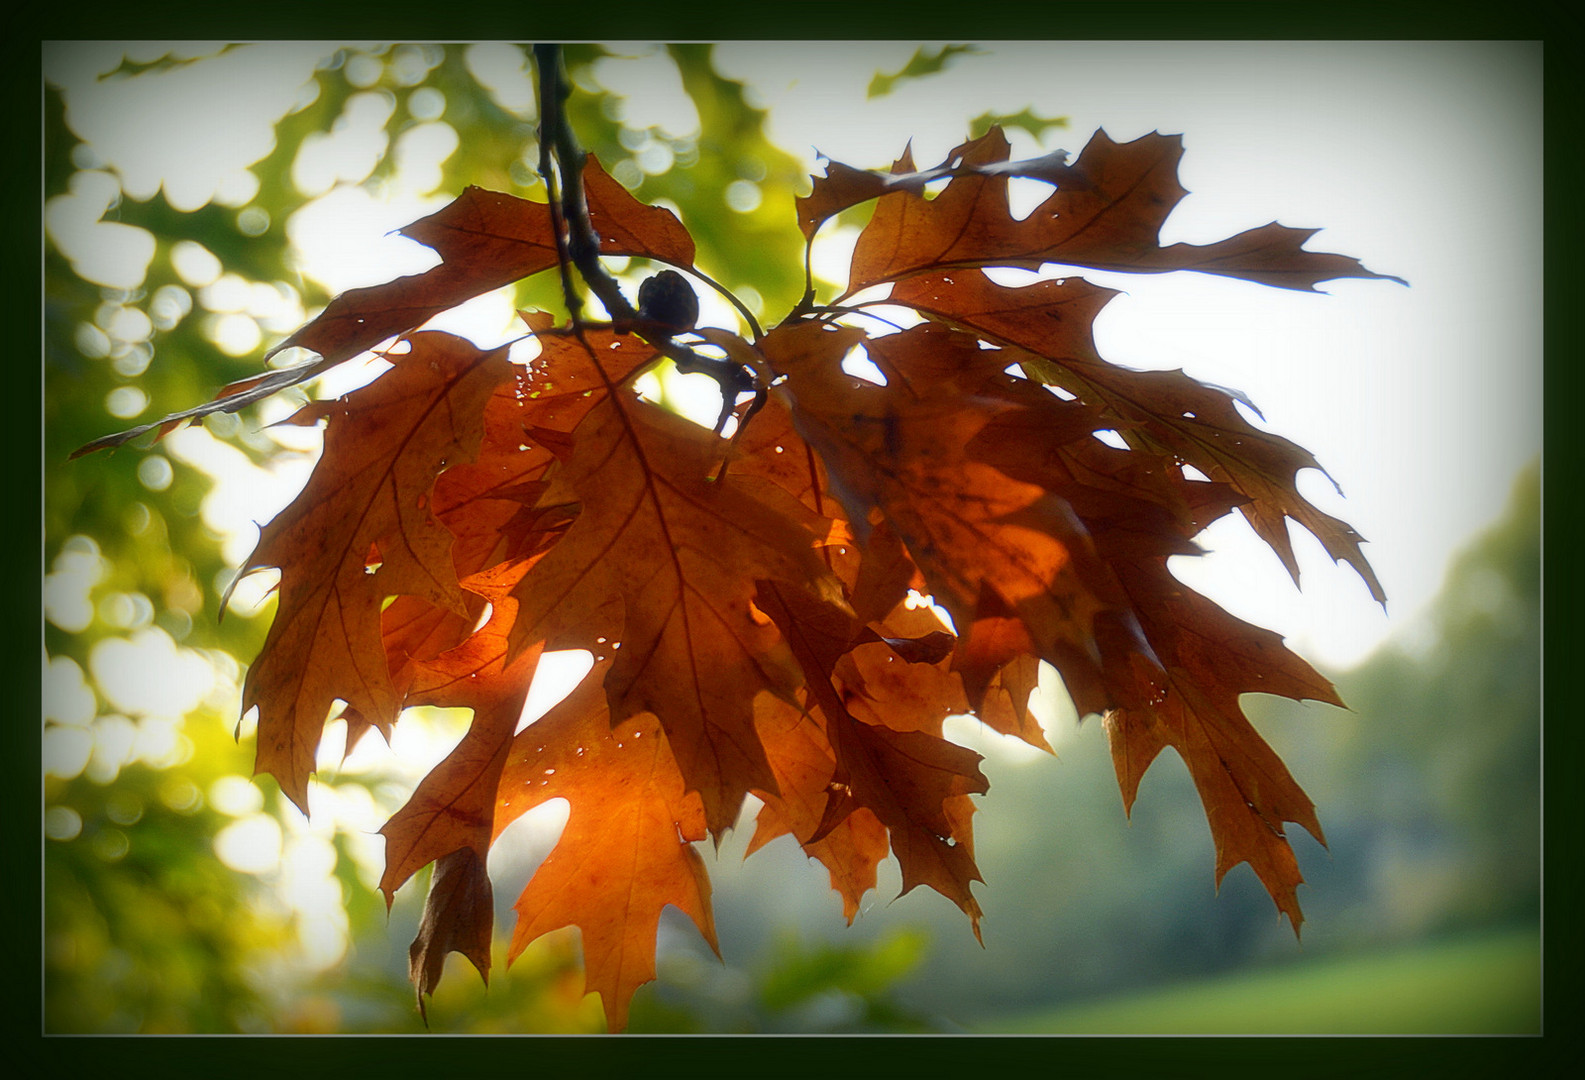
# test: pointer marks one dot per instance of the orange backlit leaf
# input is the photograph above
(626, 851)
(977, 535)
(681, 553)
(1211, 658)
(904, 773)
(804, 766)
(384, 446)
(485, 239)
(454, 806)
(793, 605)
(1046, 328)
(1106, 213)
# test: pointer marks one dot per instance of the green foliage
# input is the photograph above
(145, 929)
(1449, 739)
(799, 976)
(167, 61)
(746, 246)
(1487, 985)
(798, 986)
(923, 63)
(1025, 119)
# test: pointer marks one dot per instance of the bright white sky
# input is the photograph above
(1421, 159)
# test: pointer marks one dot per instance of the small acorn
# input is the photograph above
(668, 299)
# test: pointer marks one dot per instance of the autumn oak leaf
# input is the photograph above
(681, 554)
(892, 522)
(627, 849)
(1046, 328)
(384, 446)
(1105, 213)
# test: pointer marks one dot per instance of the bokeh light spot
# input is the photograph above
(69, 585)
(62, 823)
(92, 342)
(67, 696)
(111, 845)
(169, 305)
(253, 221)
(114, 737)
(155, 472)
(147, 674)
(743, 196)
(251, 845)
(236, 334)
(66, 750)
(426, 103)
(195, 264)
(236, 795)
(125, 402)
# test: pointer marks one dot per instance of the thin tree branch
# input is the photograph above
(582, 244)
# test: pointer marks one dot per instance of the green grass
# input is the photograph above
(1485, 985)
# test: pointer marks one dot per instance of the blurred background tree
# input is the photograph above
(183, 895)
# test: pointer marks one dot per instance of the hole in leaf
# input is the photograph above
(558, 674)
(858, 364)
(1024, 194)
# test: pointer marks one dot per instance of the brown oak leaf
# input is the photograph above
(681, 553)
(626, 851)
(384, 446)
(761, 600)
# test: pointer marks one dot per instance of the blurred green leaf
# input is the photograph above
(922, 64)
(1026, 119)
(797, 973)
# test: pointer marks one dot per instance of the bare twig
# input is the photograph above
(578, 242)
(558, 139)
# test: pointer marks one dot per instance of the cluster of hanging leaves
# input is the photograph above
(751, 602)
